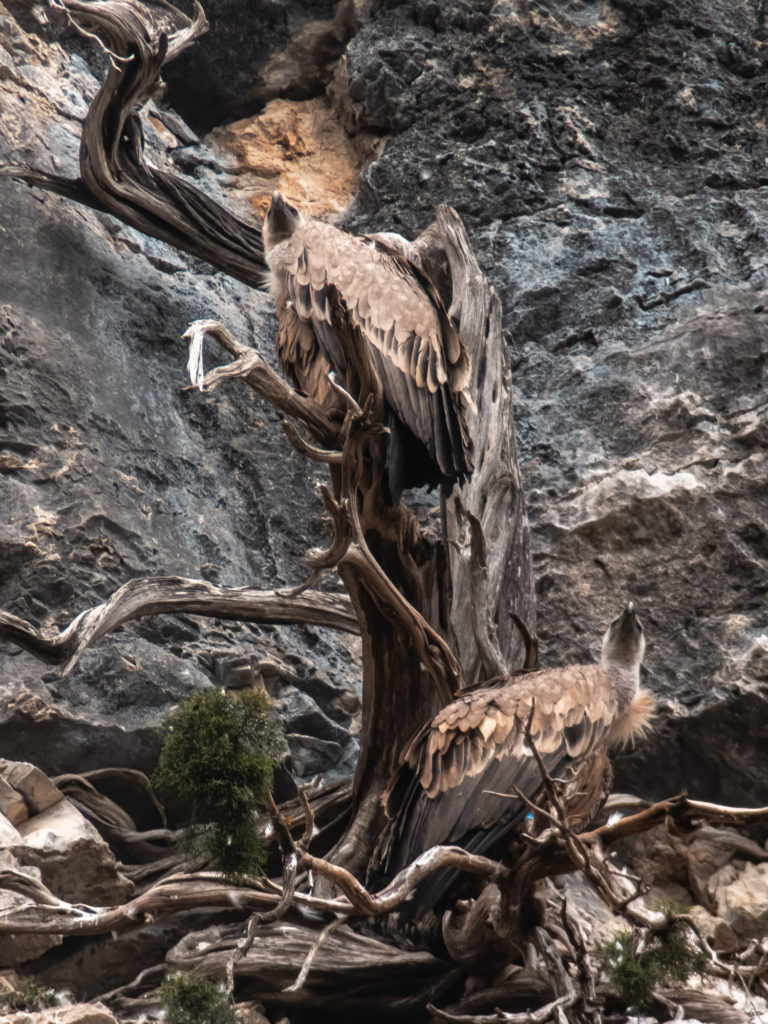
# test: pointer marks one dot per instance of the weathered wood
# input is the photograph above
(175, 594)
(346, 963)
(114, 176)
(493, 495)
(252, 368)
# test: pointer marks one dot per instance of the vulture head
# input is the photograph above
(280, 223)
(624, 641)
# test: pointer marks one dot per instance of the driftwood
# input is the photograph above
(114, 176)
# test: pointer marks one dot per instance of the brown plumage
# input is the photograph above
(325, 282)
(443, 792)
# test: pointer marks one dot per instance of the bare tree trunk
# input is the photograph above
(434, 610)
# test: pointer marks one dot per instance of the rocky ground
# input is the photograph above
(610, 161)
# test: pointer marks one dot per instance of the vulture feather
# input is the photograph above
(457, 776)
(328, 284)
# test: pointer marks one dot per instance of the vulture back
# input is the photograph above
(458, 776)
(328, 284)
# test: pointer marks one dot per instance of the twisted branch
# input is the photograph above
(114, 175)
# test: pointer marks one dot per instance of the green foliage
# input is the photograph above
(188, 1000)
(218, 756)
(29, 995)
(666, 957)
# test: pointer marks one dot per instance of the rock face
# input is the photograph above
(612, 171)
(110, 468)
(609, 159)
(258, 50)
(612, 176)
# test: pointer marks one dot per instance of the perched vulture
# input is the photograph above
(443, 791)
(329, 285)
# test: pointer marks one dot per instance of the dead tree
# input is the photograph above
(433, 614)
(436, 610)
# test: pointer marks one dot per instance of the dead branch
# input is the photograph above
(484, 629)
(540, 1016)
(310, 451)
(43, 912)
(258, 374)
(327, 558)
(531, 642)
(114, 175)
(684, 814)
(586, 976)
(494, 492)
(361, 902)
(175, 594)
(311, 955)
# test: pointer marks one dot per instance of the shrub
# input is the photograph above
(28, 995)
(666, 957)
(188, 1000)
(218, 757)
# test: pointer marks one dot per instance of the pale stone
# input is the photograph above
(34, 786)
(715, 930)
(12, 803)
(744, 902)
(80, 1013)
(9, 834)
(710, 853)
(74, 860)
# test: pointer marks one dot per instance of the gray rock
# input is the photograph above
(743, 904)
(109, 468)
(310, 755)
(615, 195)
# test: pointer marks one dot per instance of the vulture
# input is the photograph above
(327, 285)
(457, 777)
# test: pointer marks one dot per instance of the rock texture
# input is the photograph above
(110, 469)
(258, 50)
(609, 159)
(299, 148)
(613, 171)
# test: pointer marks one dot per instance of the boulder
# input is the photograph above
(74, 861)
(32, 785)
(743, 902)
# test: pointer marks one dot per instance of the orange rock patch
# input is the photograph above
(301, 149)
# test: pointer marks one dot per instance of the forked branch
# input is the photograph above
(258, 374)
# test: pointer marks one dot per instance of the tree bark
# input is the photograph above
(434, 609)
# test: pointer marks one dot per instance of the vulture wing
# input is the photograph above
(334, 278)
(457, 780)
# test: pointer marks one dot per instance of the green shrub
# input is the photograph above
(30, 995)
(188, 1000)
(667, 957)
(218, 757)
